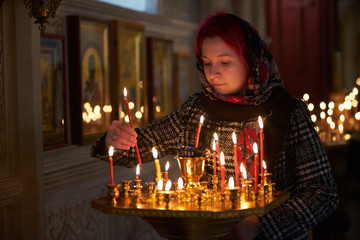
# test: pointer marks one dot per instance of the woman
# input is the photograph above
(240, 82)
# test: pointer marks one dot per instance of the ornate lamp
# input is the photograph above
(41, 10)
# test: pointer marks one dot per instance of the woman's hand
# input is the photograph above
(247, 229)
(120, 135)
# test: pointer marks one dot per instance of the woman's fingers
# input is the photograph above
(120, 135)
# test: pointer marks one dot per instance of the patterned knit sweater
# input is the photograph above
(313, 194)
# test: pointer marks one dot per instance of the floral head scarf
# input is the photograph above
(263, 74)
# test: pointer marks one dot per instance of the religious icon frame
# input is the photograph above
(90, 77)
(130, 62)
(53, 91)
(185, 77)
(160, 68)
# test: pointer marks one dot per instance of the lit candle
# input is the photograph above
(217, 147)
(214, 156)
(222, 171)
(198, 131)
(167, 170)
(111, 152)
(137, 171)
(128, 112)
(236, 165)
(261, 125)
(180, 183)
(255, 148)
(160, 185)
(264, 166)
(157, 164)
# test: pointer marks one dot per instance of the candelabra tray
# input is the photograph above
(211, 218)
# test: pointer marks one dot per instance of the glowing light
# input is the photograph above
(216, 137)
(358, 81)
(243, 171)
(138, 115)
(168, 185)
(255, 148)
(111, 151)
(155, 153)
(306, 97)
(97, 109)
(357, 116)
(122, 114)
(330, 112)
(264, 165)
(261, 124)
(127, 119)
(322, 105)
(167, 165)
(347, 137)
(347, 105)
(322, 115)
(231, 182)
(341, 128)
(342, 117)
(313, 118)
(138, 170)
(355, 91)
(125, 93)
(354, 103)
(201, 119)
(328, 120)
(131, 105)
(142, 109)
(341, 107)
(222, 159)
(332, 125)
(158, 108)
(311, 107)
(352, 96)
(234, 138)
(180, 183)
(214, 146)
(331, 105)
(160, 185)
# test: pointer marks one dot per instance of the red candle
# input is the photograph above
(222, 171)
(128, 112)
(137, 171)
(261, 125)
(198, 131)
(217, 147)
(214, 156)
(111, 152)
(235, 159)
(255, 148)
(167, 170)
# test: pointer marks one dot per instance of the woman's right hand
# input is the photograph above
(120, 135)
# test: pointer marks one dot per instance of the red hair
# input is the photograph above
(228, 29)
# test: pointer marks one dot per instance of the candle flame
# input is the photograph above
(167, 166)
(222, 159)
(243, 171)
(138, 170)
(180, 183)
(160, 185)
(216, 137)
(231, 182)
(255, 148)
(125, 92)
(264, 165)
(111, 151)
(201, 119)
(168, 185)
(155, 153)
(214, 146)
(261, 124)
(234, 138)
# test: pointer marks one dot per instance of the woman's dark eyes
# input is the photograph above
(222, 63)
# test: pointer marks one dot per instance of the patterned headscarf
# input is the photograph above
(263, 73)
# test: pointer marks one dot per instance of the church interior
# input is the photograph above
(54, 70)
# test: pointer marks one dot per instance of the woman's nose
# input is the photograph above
(214, 72)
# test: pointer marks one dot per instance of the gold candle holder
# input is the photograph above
(234, 198)
(191, 169)
(180, 195)
(150, 186)
(125, 187)
(167, 196)
(134, 197)
(113, 193)
(138, 186)
(157, 178)
(247, 189)
(215, 182)
(267, 178)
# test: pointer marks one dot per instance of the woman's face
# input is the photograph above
(224, 69)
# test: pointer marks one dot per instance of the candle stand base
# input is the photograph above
(178, 219)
